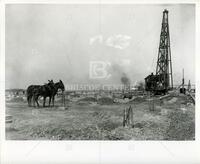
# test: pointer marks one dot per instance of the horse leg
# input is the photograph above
(37, 101)
(44, 101)
(53, 100)
(28, 100)
(49, 101)
(33, 100)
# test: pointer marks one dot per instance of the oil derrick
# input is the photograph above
(162, 81)
(164, 65)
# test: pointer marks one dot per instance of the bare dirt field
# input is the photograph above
(173, 118)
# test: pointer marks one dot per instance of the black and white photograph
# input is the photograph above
(100, 72)
(99, 81)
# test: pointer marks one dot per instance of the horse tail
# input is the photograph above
(28, 92)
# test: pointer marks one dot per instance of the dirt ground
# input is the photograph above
(172, 118)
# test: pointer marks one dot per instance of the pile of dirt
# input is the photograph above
(105, 101)
(87, 99)
(81, 103)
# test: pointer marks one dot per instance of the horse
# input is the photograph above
(44, 91)
(32, 89)
(29, 92)
(58, 85)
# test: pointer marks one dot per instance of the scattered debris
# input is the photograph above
(138, 100)
(9, 119)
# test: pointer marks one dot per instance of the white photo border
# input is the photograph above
(98, 151)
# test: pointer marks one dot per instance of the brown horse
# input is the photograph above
(54, 91)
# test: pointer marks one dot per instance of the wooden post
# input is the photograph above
(63, 95)
(131, 116)
(128, 116)
(124, 116)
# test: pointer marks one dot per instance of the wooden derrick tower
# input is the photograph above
(162, 81)
(164, 63)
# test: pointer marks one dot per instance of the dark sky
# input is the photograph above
(60, 41)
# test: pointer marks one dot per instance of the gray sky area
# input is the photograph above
(60, 41)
